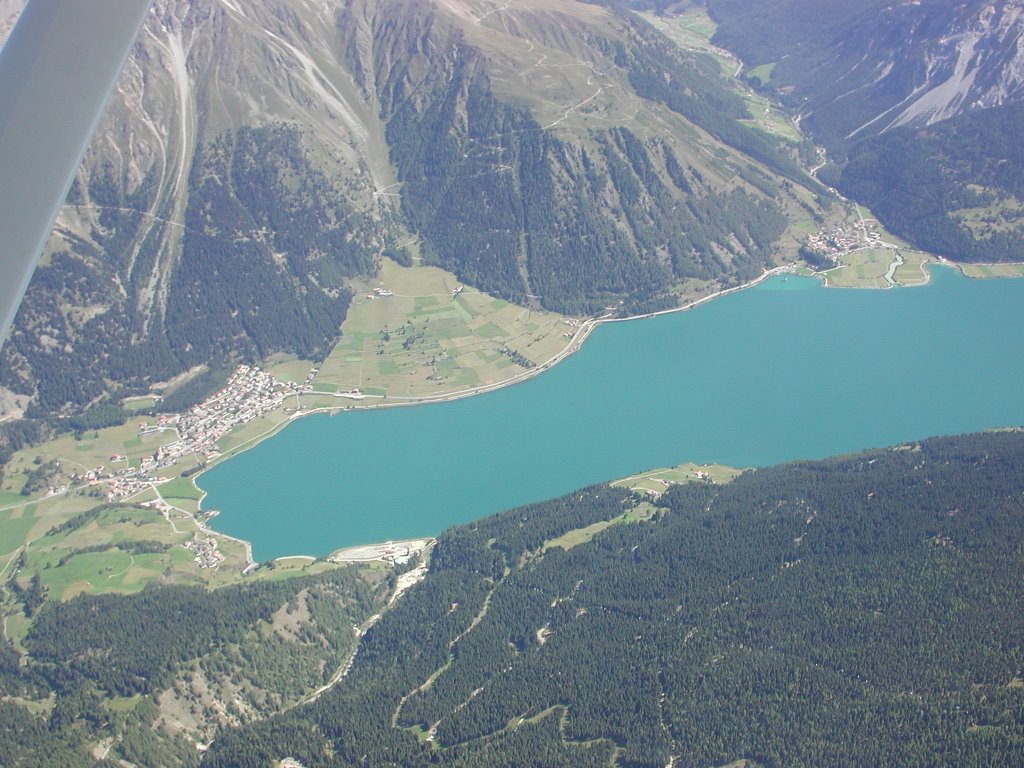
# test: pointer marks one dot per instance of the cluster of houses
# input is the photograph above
(120, 483)
(836, 240)
(248, 394)
(127, 483)
(207, 554)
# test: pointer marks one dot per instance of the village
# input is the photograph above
(247, 395)
(207, 554)
(837, 240)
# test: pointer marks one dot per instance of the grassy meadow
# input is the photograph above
(422, 341)
(656, 481)
(992, 270)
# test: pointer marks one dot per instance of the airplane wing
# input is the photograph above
(57, 70)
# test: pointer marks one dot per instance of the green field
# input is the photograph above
(657, 481)
(15, 525)
(867, 267)
(862, 269)
(912, 271)
(762, 73)
(97, 555)
(420, 341)
(91, 452)
(143, 403)
(691, 30)
(767, 117)
(992, 270)
(1004, 214)
(654, 482)
(570, 539)
(180, 488)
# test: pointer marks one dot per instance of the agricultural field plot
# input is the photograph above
(867, 255)
(288, 367)
(769, 118)
(570, 539)
(22, 523)
(180, 488)
(762, 73)
(692, 31)
(656, 481)
(413, 333)
(1005, 213)
(16, 523)
(869, 268)
(245, 435)
(140, 403)
(122, 549)
(865, 268)
(912, 270)
(992, 270)
(653, 483)
(88, 452)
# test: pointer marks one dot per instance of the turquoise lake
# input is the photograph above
(785, 370)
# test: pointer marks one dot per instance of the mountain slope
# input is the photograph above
(256, 157)
(167, 254)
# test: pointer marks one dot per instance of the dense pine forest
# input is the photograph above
(780, 618)
(956, 189)
(580, 220)
(100, 666)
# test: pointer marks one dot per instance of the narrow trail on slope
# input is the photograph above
(451, 657)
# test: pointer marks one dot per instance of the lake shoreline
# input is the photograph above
(581, 335)
(453, 426)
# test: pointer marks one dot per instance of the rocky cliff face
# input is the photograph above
(977, 62)
(942, 62)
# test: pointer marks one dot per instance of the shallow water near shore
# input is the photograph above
(784, 370)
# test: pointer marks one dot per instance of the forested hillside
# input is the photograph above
(956, 189)
(778, 619)
(268, 242)
(573, 213)
(147, 675)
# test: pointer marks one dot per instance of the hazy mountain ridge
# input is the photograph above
(517, 144)
(854, 70)
(917, 103)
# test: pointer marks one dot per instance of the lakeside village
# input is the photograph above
(837, 240)
(248, 394)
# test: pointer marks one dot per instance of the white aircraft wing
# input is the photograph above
(57, 70)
